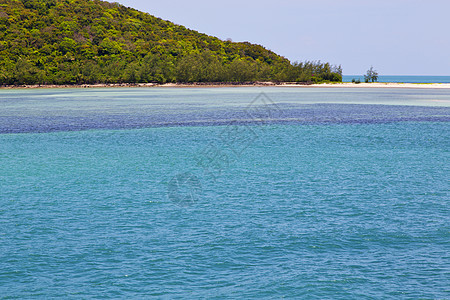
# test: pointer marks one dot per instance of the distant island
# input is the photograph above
(61, 42)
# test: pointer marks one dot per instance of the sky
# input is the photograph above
(396, 37)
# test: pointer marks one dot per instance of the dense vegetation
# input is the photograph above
(93, 41)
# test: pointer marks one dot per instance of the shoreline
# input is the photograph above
(250, 84)
(386, 85)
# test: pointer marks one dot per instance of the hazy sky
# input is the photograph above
(397, 37)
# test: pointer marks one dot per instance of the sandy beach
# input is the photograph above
(384, 85)
(250, 84)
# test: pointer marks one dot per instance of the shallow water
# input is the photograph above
(320, 197)
(48, 110)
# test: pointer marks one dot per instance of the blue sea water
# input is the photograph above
(401, 78)
(225, 193)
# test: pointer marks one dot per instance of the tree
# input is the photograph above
(87, 41)
(371, 75)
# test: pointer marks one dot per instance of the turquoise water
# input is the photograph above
(404, 79)
(295, 193)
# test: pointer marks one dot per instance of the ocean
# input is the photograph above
(401, 79)
(273, 192)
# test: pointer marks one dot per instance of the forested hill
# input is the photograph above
(93, 41)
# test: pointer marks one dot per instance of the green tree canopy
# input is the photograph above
(93, 41)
